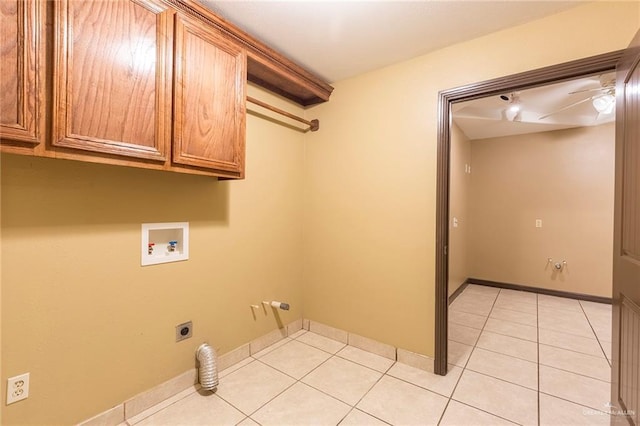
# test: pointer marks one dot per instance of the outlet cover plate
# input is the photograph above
(184, 331)
(17, 388)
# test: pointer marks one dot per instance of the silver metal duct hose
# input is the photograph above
(208, 367)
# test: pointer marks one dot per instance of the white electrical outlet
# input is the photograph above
(17, 388)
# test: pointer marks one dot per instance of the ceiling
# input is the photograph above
(341, 39)
(491, 116)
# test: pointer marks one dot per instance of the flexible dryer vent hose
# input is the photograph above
(208, 367)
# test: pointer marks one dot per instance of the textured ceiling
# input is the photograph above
(341, 39)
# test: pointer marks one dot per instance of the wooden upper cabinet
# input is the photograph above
(112, 91)
(209, 98)
(157, 84)
(22, 47)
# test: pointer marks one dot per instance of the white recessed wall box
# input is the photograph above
(164, 242)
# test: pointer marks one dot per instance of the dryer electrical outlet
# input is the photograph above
(184, 331)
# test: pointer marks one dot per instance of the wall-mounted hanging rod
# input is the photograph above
(313, 124)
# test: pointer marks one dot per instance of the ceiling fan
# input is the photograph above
(603, 99)
(513, 111)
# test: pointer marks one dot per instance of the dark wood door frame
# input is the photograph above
(540, 77)
(625, 397)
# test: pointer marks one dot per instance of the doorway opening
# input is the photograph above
(597, 65)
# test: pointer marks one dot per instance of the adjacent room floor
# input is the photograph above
(516, 358)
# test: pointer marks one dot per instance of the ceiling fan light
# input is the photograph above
(518, 117)
(604, 104)
(610, 109)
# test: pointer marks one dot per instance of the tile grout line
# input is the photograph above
(464, 368)
(572, 402)
(267, 365)
(595, 334)
(501, 353)
(574, 351)
(568, 371)
(323, 392)
(365, 394)
(488, 375)
(512, 356)
(163, 408)
(467, 312)
(574, 373)
(487, 412)
(546, 328)
(362, 411)
(318, 366)
(565, 332)
(467, 325)
(366, 366)
(583, 316)
(508, 335)
(344, 358)
(280, 343)
(502, 380)
(521, 311)
(511, 335)
(332, 355)
(277, 395)
(400, 379)
(284, 390)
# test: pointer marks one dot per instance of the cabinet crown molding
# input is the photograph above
(265, 66)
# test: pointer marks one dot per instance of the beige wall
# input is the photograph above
(78, 311)
(371, 171)
(459, 192)
(94, 327)
(564, 178)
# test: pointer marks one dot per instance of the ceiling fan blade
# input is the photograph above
(597, 89)
(564, 108)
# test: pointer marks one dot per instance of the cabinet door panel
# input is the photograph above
(21, 84)
(113, 75)
(209, 99)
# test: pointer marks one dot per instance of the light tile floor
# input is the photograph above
(515, 358)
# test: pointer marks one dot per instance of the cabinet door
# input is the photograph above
(112, 77)
(22, 47)
(209, 114)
